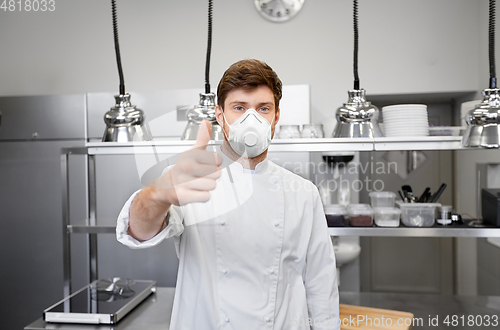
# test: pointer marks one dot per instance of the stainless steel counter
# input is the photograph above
(154, 313)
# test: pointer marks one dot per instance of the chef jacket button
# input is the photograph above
(227, 319)
(267, 318)
(274, 180)
(224, 271)
(222, 223)
(276, 224)
(271, 270)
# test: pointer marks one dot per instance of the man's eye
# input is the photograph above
(239, 108)
(264, 109)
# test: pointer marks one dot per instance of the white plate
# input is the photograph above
(410, 120)
(404, 134)
(405, 126)
(405, 106)
(402, 115)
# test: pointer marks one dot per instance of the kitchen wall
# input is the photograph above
(406, 47)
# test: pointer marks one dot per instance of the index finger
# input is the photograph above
(204, 134)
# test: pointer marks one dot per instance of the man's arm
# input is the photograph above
(190, 180)
(321, 274)
(148, 214)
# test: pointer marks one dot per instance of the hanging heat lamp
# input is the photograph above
(483, 121)
(357, 118)
(205, 109)
(124, 122)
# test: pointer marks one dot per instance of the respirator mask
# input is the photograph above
(250, 134)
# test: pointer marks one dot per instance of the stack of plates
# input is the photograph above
(406, 120)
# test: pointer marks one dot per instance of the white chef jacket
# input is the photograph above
(256, 256)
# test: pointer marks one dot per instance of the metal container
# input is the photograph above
(357, 118)
(124, 122)
(205, 110)
(482, 122)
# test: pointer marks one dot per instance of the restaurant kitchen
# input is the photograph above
(59, 77)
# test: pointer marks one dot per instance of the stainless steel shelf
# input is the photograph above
(414, 231)
(285, 145)
(83, 229)
(352, 231)
(418, 143)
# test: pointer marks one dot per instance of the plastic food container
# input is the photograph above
(360, 216)
(418, 214)
(445, 130)
(357, 206)
(387, 216)
(335, 215)
(382, 198)
(289, 132)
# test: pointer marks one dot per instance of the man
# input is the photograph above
(251, 237)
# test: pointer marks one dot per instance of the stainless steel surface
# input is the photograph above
(66, 238)
(124, 122)
(49, 116)
(30, 200)
(357, 118)
(155, 312)
(483, 128)
(447, 231)
(92, 217)
(204, 110)
(95, 310)
(103, 201)
(83, 229)
(152, 314)
(283, 145)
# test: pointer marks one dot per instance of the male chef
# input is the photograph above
(251, 237)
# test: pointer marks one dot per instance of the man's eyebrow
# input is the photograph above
(270, 103)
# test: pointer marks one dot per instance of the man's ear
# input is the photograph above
(277, 115)
(218, 115)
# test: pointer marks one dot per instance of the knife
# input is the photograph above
(423, 197)
(434, 198)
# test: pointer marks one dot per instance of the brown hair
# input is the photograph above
(248, 75)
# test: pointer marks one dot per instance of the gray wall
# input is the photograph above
(406, 46)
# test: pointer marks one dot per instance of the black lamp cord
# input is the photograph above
(491, 45)
(356, 37)
(209, 48)
(117, 49)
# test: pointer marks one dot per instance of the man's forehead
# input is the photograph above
(261, 94)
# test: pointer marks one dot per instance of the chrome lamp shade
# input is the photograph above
(195, 115)
(124, 122)
(357, 118)
(483, 128)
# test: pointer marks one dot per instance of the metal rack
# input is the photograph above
(93, 149)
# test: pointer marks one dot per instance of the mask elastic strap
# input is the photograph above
(223, 130)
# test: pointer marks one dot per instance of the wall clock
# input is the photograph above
(278, 10)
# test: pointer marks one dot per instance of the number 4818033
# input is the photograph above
(28, 5)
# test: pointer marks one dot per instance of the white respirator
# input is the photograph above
(250, 134)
